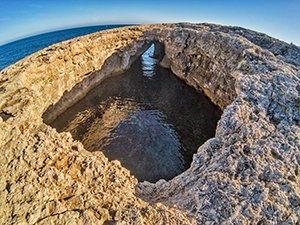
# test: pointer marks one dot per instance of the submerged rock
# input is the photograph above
(248, 173)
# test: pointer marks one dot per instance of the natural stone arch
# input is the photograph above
(118, 62)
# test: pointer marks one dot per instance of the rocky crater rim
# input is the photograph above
(248, 172)
(221, 93)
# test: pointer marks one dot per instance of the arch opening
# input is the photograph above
(117, 63)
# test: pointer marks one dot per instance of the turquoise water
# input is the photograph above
(147, 118)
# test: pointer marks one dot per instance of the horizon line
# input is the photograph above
(61, 29)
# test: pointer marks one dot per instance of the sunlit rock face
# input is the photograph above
(146, 117)
(247, 173)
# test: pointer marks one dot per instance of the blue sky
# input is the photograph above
(21, 18)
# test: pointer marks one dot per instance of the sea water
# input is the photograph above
(12, 52)
(147, 118)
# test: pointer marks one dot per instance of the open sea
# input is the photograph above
(14, 51)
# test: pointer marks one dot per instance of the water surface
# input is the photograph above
(147, 118)
(17, 50)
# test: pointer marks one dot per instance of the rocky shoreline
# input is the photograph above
(248, 173)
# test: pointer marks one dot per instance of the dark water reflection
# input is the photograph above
(146, 117)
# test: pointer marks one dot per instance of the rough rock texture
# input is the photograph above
(248, 174)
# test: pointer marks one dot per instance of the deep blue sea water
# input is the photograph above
(12, 52)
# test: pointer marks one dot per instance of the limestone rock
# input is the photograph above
(247, 174)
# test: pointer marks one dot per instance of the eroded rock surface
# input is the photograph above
(248, 173)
